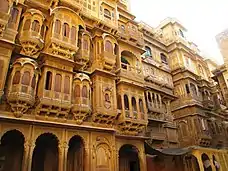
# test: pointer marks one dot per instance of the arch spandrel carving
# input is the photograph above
(84, 135)
(38, 131)
(24, 130)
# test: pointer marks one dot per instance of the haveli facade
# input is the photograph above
(83, 87)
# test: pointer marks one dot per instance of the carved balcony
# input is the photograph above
(22, 85)
(155, 108)
(130, 72)
(131, 122)
(108, 60)
(62, 46)
(131, 35)
(187, 100)
(31, 42)
(21, 98)
(81, 109)
(54, 104)
(83, 56)
(81, 102)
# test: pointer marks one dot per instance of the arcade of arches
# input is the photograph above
(33, 148)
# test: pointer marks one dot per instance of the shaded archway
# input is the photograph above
(75, 155)
(45, 154)
(206, 162)
(191, 163)
(128, 158)
(11, 151)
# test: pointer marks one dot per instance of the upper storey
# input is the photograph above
(222, 40)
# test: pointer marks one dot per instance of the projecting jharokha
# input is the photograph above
(84, 87)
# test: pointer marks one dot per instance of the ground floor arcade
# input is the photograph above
(42, 147)
(32, 147)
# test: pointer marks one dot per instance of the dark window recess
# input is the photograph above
(48, 81)
(126, 102)
(187, 88)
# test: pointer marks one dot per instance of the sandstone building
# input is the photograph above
(85, 87)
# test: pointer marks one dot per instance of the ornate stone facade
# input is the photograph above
(83, 87)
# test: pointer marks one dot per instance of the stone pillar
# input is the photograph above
(86, 159)
(200, 162)
(65, 151)
(211, 160)
(61, 157)
(142, 160)
(25, 160)
(27, 163)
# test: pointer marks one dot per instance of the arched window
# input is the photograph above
(67, 85)
(148, 51)
(73, 33)
(84, 91)
(181, 33)
(16, 77)
(116, 49)
(42, 31)
(48, 80)
(187, 88)
(33, 85)
(36, 26)
(25, 78)
(4, 7)
(133, 101)
(27, 25)
(149, 97)
(107, 13)
(107, 98)
(58, 82)
(85, 44)
(77, 91)
(122, 27)
(126, 102)
(141, 106)
(66, 30)
(57, 26)
(193, 89)
(108, 46)
(14, 14)
(164, 58)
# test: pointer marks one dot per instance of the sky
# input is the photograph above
(204, 19)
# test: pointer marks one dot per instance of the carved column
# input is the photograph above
(86, 159)
(65, 151)
(211, 161)
(61, 157)
(142, 160)
(27, 160)
(200, 162)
